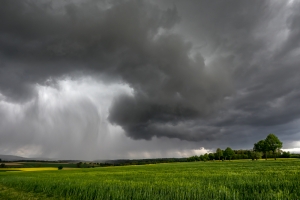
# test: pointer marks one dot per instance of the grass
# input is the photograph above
(12, 194)
(197, 180)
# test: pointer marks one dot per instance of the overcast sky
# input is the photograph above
(91, 79)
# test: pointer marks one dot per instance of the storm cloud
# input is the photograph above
(207, 73)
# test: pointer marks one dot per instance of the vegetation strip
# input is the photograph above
(244, 179)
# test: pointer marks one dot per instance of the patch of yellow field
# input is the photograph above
(37, 169)
(30, 169)
(34, 169)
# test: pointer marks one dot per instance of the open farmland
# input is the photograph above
(197, 180)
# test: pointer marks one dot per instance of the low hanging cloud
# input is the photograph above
(211, 72)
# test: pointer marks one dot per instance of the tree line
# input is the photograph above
(126, 162)
(267, 148)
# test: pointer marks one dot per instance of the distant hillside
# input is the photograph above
(12, 158)
(15, 158)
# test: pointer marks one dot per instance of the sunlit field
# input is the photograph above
(197, 180)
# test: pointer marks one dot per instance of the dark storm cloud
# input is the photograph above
(259, 43)
(200, 71)
(38, 41)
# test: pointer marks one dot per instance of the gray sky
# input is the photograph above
(141, 79)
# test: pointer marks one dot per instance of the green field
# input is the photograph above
(197, 180)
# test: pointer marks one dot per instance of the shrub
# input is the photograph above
(60, 167)
(286, 154)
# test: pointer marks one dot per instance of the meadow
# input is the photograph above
(242, 179)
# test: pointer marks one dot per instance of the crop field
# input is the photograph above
(196, 180)
(38, 164)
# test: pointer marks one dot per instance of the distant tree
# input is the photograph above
(205, 157)
(219, 153)
(79, 164)
(193, 158)
(2, 165)
(196, 158)
(228, 153)
(255, 155)
(201, 158)
(286, 154)
(60, 167)
(273, 144)
(211, 156)
(261, 147)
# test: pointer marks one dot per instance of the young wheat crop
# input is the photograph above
(198, 180)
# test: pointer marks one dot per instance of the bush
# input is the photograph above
(286, 154)
(79, 164)
(60, 167)
(2, 165)
(256, 155)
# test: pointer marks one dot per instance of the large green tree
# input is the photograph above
(219, 153)
(228, 153)
(261, 147)
(273, 144)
